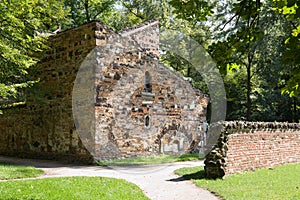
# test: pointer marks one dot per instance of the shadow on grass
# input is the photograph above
(190, 157)
(198, 175)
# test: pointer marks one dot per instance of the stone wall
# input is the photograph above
(124, 102)
(145, 35)
(44, 127)
(247, 146)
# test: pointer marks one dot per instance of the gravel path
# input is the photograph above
(157, 181)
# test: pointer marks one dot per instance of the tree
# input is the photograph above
(116, 14)
(20, 23)
(82, 11)
(248, 48)
(138, 11)
(291, 11)
(239, 48)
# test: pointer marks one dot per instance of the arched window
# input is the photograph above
(147, 83)
(147, 121)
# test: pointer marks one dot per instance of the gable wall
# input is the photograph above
(175, 110)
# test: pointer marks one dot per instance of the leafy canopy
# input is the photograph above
(21, 21)
(291, 10)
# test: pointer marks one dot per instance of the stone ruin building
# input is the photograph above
(104, 95)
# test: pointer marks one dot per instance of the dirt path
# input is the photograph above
(157, 181)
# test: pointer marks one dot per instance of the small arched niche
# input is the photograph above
(147, 82)
(147, 121)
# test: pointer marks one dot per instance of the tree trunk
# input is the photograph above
(249, 86)
(86, 8)
(249, 103)
(294, 110)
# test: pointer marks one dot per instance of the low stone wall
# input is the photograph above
(246, 146)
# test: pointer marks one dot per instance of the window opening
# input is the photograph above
(147, 83)
(147, 121)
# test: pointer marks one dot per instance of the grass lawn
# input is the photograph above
(71, 188)
(12, 172)
(282, 182)
(163, 158)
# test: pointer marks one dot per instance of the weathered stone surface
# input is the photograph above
(139, 107)
(135, 88)
(45, 126)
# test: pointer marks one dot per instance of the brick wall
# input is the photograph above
(245, 146)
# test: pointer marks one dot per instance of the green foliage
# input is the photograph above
(192, 10)
(142, 9)
(282, 182)
(133, 12)
(291, 57)
(291, 10)
(82, 11)
(244, 49)
(20, 25)
(71, 188)
(288, 8)
(239, 48)
(116, 14)
(13, 172)
(252, 56)
(192, 32)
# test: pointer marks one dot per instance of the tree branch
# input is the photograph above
(236, 15)
(131, 11)
(104, 7)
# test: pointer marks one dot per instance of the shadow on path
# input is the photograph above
(198, 175)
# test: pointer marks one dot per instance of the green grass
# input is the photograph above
(12, 172)
(282, 182)
(159, 159)
(71, 188)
